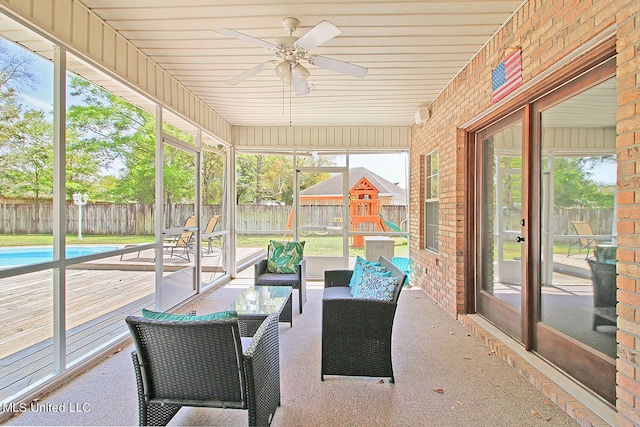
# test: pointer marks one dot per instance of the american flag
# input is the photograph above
(507, 76)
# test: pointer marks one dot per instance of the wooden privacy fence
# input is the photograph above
(275, 217)
(601, 220)
(138, 219)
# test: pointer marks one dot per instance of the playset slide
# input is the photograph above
(390, 226)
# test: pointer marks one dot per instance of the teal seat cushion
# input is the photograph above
(148, 314)
(376, 285)
(284, 257)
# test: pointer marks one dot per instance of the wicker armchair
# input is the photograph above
(356, 332)
(204, 363)
(603, 277)
(295, 280)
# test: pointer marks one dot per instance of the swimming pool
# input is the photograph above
(16, 256)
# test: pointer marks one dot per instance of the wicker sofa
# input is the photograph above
(356, 332)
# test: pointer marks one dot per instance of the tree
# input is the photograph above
(179, 176)
(9, 114)
(212, 178)
(15, 74)
(26, 139)
(27, 158)
(574, 186)
(15, 68)
(108, 137)
(269, 177)
(277, 184)
(246, 166)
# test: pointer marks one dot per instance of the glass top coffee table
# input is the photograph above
(255, 303)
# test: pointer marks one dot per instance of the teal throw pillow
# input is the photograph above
(372, 269)
(148, 314)
(377, 269)
(357, 271)
(284, 257)
(375, 286)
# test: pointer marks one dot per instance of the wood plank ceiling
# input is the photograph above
(411, 48)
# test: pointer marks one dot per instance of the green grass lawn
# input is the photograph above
(511, 249)
(318, 245)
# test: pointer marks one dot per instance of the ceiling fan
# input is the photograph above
(290, 51)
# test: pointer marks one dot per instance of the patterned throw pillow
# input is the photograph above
(148, 314)
(375, 286)
(357, 270)
(284, 257)
(373, 268)
(378, 269)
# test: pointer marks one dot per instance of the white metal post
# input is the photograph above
(80, 200)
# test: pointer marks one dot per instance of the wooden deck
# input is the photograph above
(100, 294)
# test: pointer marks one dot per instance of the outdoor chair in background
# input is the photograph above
(404, 264)
(582, 228)
(603, 277)
(206, 235)
(184, 241)
(296, 278)
(205, 363)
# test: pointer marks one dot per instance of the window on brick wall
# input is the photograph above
(431, 200)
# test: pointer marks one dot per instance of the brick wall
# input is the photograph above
(546, 31)
(628, 198)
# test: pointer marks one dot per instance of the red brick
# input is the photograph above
(630, 298)
(628, 384)
(626, 197)
(625, 396)
(626, 226)
(625, 340)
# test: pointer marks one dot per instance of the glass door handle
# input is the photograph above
(519, 239)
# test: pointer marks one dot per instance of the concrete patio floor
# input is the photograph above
(448, 373)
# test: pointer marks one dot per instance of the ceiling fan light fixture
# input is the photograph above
(283, 70)
(286, 79)
(302, 72)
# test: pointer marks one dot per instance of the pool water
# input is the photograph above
(13, 257)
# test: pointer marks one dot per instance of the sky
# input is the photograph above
(606, 173)
(390, 166)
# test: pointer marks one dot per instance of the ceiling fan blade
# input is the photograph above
(249, 73)
(300, 86)
(319, 34)
(339, 66)
(245, 37)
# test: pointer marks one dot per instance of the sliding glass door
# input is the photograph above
(499, 293)
(545, 227)
(576, 289)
